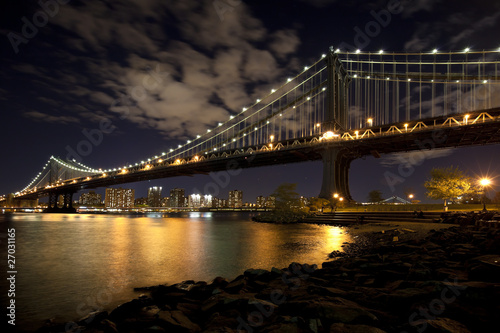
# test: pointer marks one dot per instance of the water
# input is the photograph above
(69, 265)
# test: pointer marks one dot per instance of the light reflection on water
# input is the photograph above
(69, 265)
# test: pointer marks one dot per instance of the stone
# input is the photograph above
(445, 325)
(177, 321)
(345, 328)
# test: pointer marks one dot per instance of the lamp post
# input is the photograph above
(410, 196)
(484, 182)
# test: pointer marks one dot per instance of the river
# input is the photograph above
(69, 265)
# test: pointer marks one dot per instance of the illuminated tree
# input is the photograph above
(286, 197)
(448, 183)
(375, 196)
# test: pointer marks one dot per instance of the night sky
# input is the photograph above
(164, 71)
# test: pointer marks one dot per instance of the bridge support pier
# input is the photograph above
(53, 206)
(336, 166)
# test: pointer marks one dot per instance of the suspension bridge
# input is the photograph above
(344, 106)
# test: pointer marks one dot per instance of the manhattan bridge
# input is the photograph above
(344, 106)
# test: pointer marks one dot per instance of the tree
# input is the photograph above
(286, 197)
(318, 204)
(496, 198)
(448, 183)
(375, 196)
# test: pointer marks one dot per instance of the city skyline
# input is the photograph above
(245, 50)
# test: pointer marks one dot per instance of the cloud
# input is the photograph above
(414, 158)
(208, 68)
(43, 117)
(459, 28)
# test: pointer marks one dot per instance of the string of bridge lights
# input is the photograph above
(220, 124)
(179, 150)
(52, 158)
(435, 51)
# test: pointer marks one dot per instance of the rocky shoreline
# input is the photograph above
(448, 281)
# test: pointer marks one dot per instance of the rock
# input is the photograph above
(445, 325)
(130, 309)
(219, 282)
(93, 318)
(176, 321)
(235, 286)
(326, 291)
(345, 328)
(485, 268)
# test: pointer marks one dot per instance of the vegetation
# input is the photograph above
(375, 196)
(287, 206)
(448, 183)
(287, 198)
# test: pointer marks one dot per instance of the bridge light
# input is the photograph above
(306, 68)
(406, 127)
(435, 51)
(255, 128)
(341, 199)
(124, 171)
(336, 195)
(358, 51)
(272, 138)
(467, 49)
(104, 175)
(458, 81)
(318, 125)
(180, 146)
(177, 161)
(355, 76)
(466, 119)
(387, 78)
(244, 109)
(357, 133)
(196, 158)
(220, 124)
(209, 130)
(485, 81)
(273, 90)
(171, 150)
(160, 160)
(288, 80)
(234, 139)
(231, 117)
(370, 121)
(381, 51)
(258, 100)
(323, 55)
(409, 80)
(368, 77)
(148, 166)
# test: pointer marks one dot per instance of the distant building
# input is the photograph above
(261, 202)
(198, 200)
(141, 202)
(165, 202)
(177, 197)
(154, 196)
(90, 199)
(219, 203)
(235, 199)
(270, 202)
(119, 198)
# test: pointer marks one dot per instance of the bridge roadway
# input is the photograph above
(432, 133)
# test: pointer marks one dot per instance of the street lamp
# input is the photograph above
(484, 182)
(370, 121)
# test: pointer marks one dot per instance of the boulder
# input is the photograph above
(176, 321)
(346, 328)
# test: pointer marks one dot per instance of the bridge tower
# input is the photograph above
(67, 195)
(336, 161)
